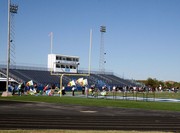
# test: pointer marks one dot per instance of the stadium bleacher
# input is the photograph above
(44, 77)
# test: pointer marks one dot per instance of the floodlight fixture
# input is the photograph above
(103, 29)
(13, 8)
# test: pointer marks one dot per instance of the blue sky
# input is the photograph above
(142, 38)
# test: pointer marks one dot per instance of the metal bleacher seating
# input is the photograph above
(44, 77)
(118, 81)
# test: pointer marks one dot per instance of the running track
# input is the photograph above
(33, 115)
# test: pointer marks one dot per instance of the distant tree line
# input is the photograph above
(154, 83)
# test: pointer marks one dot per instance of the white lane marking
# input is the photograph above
(88, 111)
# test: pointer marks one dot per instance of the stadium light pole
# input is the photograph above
(11, 9)
(5, 93)
(8, 47)
(102, 53)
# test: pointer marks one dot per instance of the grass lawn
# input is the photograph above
(169, 106)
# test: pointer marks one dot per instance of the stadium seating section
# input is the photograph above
(44, 77)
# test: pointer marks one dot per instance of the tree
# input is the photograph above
(152, 83)
(168, 85)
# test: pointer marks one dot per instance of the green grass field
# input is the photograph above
(169, 106)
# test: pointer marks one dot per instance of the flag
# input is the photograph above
(71, 83)
(29, 83)
(79, 81)
(32, 91)
(46, 88)
(85, 82)
(103, 93)
(48, 92)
